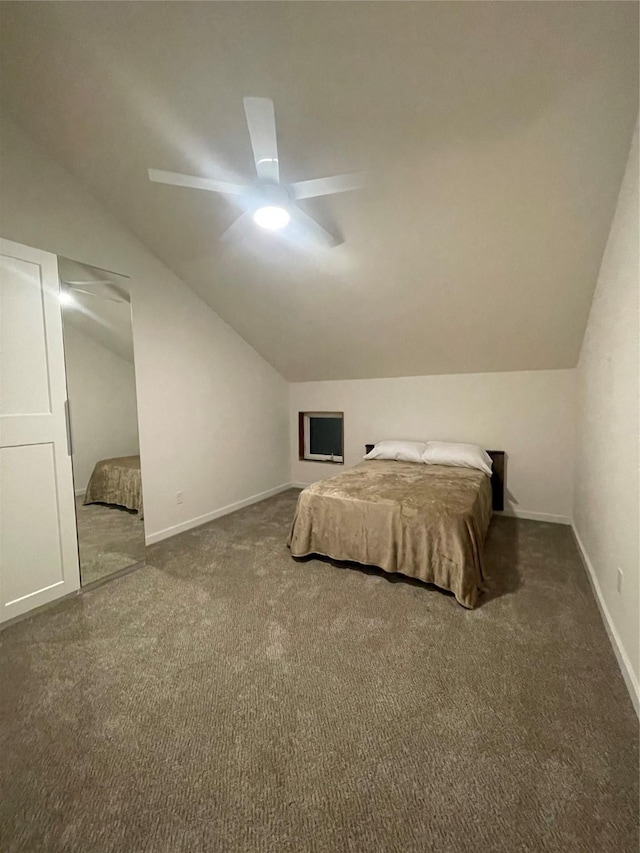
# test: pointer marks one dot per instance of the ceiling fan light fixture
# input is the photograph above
(272, 218)
(268, 202)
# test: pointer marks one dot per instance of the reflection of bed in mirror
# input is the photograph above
(116, 481)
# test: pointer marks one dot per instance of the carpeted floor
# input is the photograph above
(227, 698)
(110, 538)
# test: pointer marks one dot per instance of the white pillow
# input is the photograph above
(400, 451)
(459, 455)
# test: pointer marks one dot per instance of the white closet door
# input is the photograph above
(38, 540)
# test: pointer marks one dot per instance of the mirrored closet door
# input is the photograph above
(102, 419)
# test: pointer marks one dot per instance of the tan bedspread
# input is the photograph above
(116, 481)
(425, 521)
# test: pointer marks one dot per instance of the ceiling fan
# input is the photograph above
(269, 203)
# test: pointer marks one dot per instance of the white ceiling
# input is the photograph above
(495, 135)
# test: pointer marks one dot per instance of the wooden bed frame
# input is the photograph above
(497, 477)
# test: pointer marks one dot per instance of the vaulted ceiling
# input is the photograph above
(494, 135)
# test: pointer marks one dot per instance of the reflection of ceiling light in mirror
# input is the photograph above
(271, 218)
(66, 298)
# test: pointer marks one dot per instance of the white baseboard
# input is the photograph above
(623, 661)
(159, 535)
(80, 493)
(299, 485)
(535, 516)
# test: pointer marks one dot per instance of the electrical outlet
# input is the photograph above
(178, 497)
(619, 580)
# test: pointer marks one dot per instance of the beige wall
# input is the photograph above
(212, 412)
(102, 397)
(529, 414)
(606, 510)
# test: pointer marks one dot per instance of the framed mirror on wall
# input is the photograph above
(102, 419)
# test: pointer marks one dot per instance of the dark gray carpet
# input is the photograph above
(111, 538)
(226, 698)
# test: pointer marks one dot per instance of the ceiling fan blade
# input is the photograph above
(178, 180)
(98, 295)
(328, 186)
(261, 121)
(84, 283)
(308, 228)
(238, 228)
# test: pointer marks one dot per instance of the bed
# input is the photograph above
(116, 481)
(424, 521)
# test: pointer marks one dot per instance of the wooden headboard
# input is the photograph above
(497, 477)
